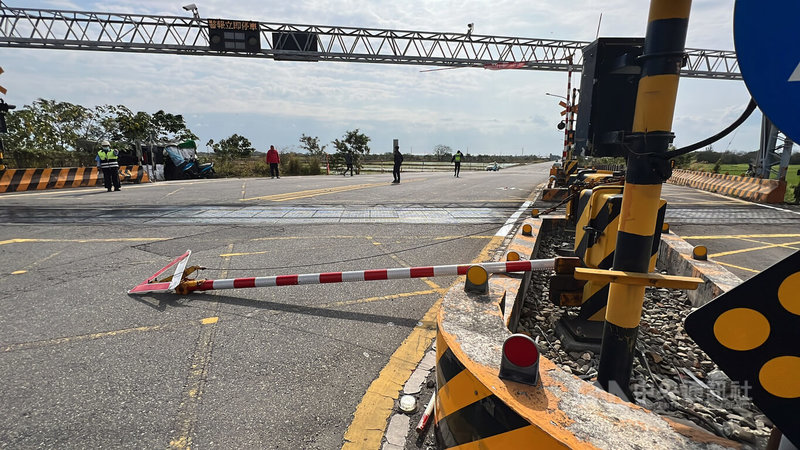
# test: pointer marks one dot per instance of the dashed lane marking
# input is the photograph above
(196, 379)
(104, 334)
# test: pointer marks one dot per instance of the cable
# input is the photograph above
(690, 148)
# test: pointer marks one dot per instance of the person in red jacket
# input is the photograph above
(273, 159)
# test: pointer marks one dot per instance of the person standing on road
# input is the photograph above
(109, 165)
(273, 159)
(457, 159)
(348, 159)
(398, 160)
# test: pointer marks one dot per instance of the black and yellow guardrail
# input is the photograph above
(748, 188)
(18, 180)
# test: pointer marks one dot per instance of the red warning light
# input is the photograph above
(520, 360)
(520, 351)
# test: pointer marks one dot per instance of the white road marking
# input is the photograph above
(512, 220)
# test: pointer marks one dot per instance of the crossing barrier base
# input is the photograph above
(476, 409)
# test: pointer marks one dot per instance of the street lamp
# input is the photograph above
(554, 95)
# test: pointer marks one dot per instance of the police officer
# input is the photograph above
(457, 159)
(110, 165)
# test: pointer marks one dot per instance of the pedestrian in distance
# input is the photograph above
(398, 160)
(273, 159)
(348, 159)
(109, 164)
(457, 160)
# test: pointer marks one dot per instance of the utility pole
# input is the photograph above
(648, 168)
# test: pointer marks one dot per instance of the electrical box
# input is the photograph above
(609, 84)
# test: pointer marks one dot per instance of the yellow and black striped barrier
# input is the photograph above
(748, 188)
(18, 180)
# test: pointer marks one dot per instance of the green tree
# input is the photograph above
(442, 152)
(352, 141)
(311, 145)
(234, 146)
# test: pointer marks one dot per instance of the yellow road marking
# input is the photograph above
(57, 192)
(745, 250)
(312, 192)
(186, 416)
(770, 243)
(36, 263)
(369, 420)
(403, 262)
(737, 267)
(744, 236)
(104, 334)
(82, 241)
(435, 238)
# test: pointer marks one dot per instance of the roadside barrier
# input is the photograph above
(748, 188)
(18, 180)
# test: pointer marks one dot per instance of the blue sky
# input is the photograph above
(275, 102)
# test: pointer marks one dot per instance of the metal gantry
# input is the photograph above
(83, 30)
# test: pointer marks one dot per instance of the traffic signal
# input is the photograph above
(752, 333)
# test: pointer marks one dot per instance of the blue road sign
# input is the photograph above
(768, 48)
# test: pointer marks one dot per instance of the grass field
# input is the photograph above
(792, 178)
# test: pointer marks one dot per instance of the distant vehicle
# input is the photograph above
(493, 166)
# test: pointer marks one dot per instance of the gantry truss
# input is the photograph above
(82, 30)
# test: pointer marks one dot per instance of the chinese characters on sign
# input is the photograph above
(232, 25)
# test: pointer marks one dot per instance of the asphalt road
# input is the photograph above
(743, 237)
(83, 364)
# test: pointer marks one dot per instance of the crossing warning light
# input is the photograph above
(752, 332)
(520, 360)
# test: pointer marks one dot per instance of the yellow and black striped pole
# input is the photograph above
(648, 168)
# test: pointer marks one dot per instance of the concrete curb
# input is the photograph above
(475, 407)
(676, 255)
(748, 188)
(18, 180)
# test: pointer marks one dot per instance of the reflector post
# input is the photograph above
(520, 360)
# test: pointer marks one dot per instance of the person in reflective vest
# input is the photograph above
(457, 159)
(109, 165)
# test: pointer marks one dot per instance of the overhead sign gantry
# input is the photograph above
(118, 32)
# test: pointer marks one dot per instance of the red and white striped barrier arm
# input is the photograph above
(338, 277)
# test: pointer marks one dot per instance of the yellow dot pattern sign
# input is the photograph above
(753, 334)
